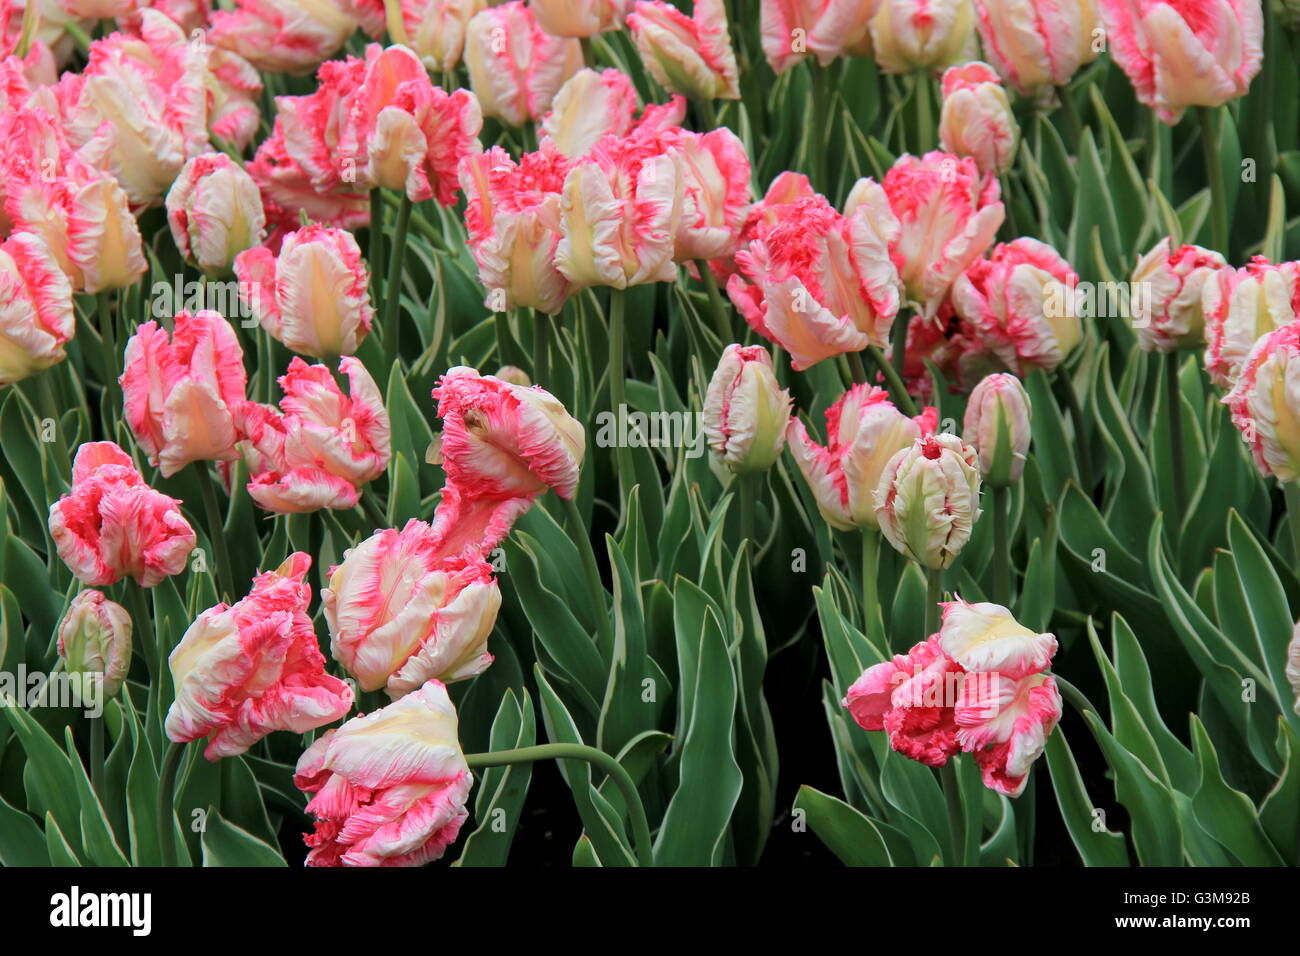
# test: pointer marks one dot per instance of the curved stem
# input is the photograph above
(893, 380)
(50, 409)
(721, 320)
(746, 488)
(578, 532)
(108, 333)
(1214, 171)
(166, 803)
(1001, 547)
(1174, 399)
(216, 531)
(857, 371)
(1074, 695)
(393, 286)
(598, 759)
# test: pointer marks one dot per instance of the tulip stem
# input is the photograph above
(815, 132)
(598, 759)
(857, 371)
(97, 754)
(376, 256)
(933, 594)
(892, 378)
(541, 348)
(1066, 388)
(166, 803)
(924, 113)
(104, 316)
(870, 584)
(708, 118)
(618, 386)
(746, 489)
(1214, 171)
(898, 344)
(1291, 491)
(1174, 398)
(393, 286)
(596, 590)
(50, 409)
(1001, 546)
(216, 531)
(956, 819)
(720, 318)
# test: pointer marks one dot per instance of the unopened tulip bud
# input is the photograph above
(687, 55)
(95, 642)
(911, 35)
(1168, 313)
(997, 424)
(1265, 403)
(976, 120)
(215, 212)
(928, 500)
(514, 375)
(745, 410)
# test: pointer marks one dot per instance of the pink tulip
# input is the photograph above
(95, 643)
(1181, 53)
(515, 67)
(826, 29)
(234, 91)
(1005, 724)
(746, 412)
(1240, 307)
(313, 296)
(435, 29)
(589, 105)
(1036, 45)
(322, 446)
(997, 424)
(215, 212)
(404, 133)
(283, 36)
(189, 15)
(1169, 315)
(389, 788)
(512, 215)
(245, 670)
(687, 55)
(371, 15)
(976, 119)
(181, 396)
(1020, 305)
(948, 214)
(1265, 403)
(579, 18)
(908, 35)
(401, 611)
(715, 174)
(112, 525)
(819, 283)
(927, 501)
(1292, 669)
(864, 431)
(986, 638)
(36, 313)
(312, 127)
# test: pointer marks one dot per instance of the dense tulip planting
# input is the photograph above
(890, 451)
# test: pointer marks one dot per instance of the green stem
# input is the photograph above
(376, 255)
(598, 759)
(97, 756)
(216, 531)
(393, 287)
(933, 594)
(596, 590)
(870, 580)
(618, 384)
(956, 819)
(721, 319)
(166, 803)
(1074, 695)
(1001, 547)
(1291, 491)
(541, 348)
(79, 36)
(1173, 398)
(815, 132)
(1066, 386)
(108, 333)
(898, 344)
(857, 371)
(708, 118)
(925, 125)
(145, 640)
(1070, 113)
(746, 489)
(1214, 170)
(894, 380)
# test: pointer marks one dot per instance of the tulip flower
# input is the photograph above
(1035, 45)
(715, 174)
(1178, 53)
(215, 212)
(928, 499)
(181, 395)
(112, 525)
(95, 643)
(1293, 666)
(389, 788)
(746, 412)
(1021, 305)
(976, 119)
(313, 296)
(283, 36)
(322, 446)
(909, 35)
(310, 129)
(435, 29)
(245, 670)
(1241, 306)
(818, 283)
(36, 313)
(948, 215)
(404, 132)
(997, 425)
(827, 29)
(687, 55)
(1005, 724)
(864, 431)
(589, 105)
(512, 215)
(516, 67)
(402, 612)
(234, 93)
(1265, 403)
(1168, 316)
(986, 638)
(579, 18)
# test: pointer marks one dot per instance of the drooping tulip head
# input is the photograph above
(746, 412)
(976, 119)
(1036, 45)
(864, 431)
(1241, 306)
(1265, 403)
(687, 55)
(95, 644)
(928, 499)
(997, 425)
(215, 212)
(1168, 314)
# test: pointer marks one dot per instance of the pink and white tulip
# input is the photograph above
(95, 643)
(827, 29)
(715, 175)
(579, 18)
(215, 212)
(36, 312)
(976, 119)
(112, 525)
(927, 501)
(1036, 45)
(746, 412)
(1241, 306)
(1004, 723)
(986, 638)
(908, 35)
(1169, 315)
(1265, 403)
(389, 788)
(435, 29)
(283, 36)
(687, 55)
(515, 66)
(245, 670)
(997, 424)
(589, 105)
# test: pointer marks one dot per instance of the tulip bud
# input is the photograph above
(1168, 314)
(389, 788)
(1265, 403)
(687, 55)
(313, 296)
(1186, 54)
(1035, 45)
(36, 312)
(514, 375)
(515, 67)
(909, 35)
(579, 18)
(1241, 306)
(987, 639)
(928, 499)
(746, 411)
(215, 212)
(864, 430)
(997, 424)
(976, 120)
(95, 643)
(435, 29)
